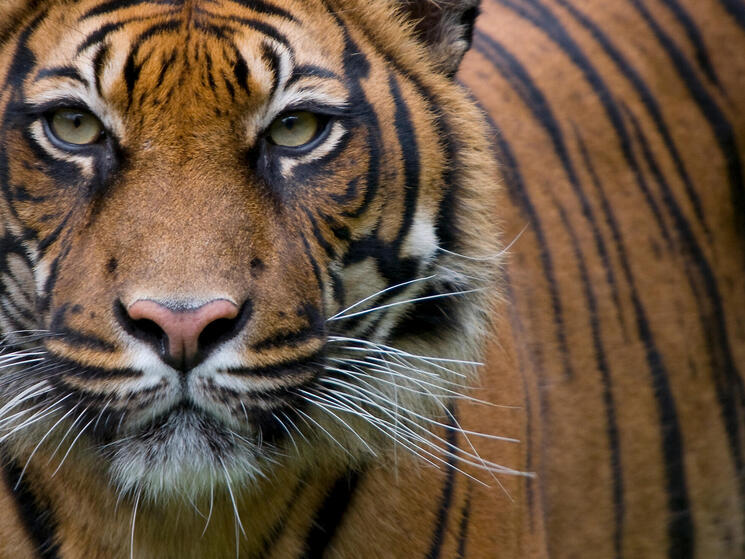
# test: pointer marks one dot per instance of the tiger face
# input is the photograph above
(233, 233)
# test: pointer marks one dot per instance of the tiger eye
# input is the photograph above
(76, 127)
(294, 129)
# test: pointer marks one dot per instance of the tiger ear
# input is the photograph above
(445, 26)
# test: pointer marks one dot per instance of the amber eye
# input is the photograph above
(294, 129)
(75, 126)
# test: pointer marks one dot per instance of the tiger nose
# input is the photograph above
(182, 334)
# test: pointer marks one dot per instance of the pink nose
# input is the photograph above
(182, 327)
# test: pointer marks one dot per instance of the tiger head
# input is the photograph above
(237, 233)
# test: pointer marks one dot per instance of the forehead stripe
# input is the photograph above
(262, 7)
(115, 5)
(61, 72)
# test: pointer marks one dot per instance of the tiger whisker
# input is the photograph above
(100, 414)
(72, 444)
(287, 430)
(397, 351)
(491, 258)
(134, 519)
(64, 437)
(50, 409)
(423, 391)
(464, 456)
(446, 393)
(373, 420)
(383, 366)
(212, 502)
(305, 415)
(41, 441)
(368, 447)
(387, 289)
(408, 432)
(232, 497)
(8, 418)
(30, 392)
(294, 426)
(418, 415)
(386, 352)
(405, 438)
(407, 301)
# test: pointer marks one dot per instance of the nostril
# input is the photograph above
(222, 329)
(216, 331)
(143, 329)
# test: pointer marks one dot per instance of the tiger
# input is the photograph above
(388, 279)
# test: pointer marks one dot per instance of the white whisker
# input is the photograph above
(232, 497)
(407, 301)
(132, 533)
(387, 289)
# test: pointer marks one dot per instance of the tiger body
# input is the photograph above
(613, 334)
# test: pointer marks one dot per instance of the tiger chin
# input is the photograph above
(237, 244)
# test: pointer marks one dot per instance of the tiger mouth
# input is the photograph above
(259, 425)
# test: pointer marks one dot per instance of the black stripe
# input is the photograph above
(356, 69)
(217, 31)
(62, 368)
(515, 184)
(132, 67)
(460, 552)
(601, 365)
(99, 64)
(265, 8)
(519, 78)
(728, 383)
(46, 242)
(273, 61)
(446, 498)
(268, 30)
(554, 30)
(721, 128)
(735, 8)
(21, 64)
(315, 330)
(327, 247)
(310, 70)
(100, 35)
(240, 72)
(649, 100)
(59, 330)
(509, 67)
(330, 516)
(62, 72)
(313, 262)
(702, 54)
(115, 5)
(36, 517)
(45, 300)
(681, 531)
(310, 363)
(277, 530)
(407, 141)
(77, 339)
(350, 194)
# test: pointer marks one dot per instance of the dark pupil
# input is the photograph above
(290, 122)
(76, 119)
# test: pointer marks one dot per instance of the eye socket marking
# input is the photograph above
(297, 129)
(73, 128)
